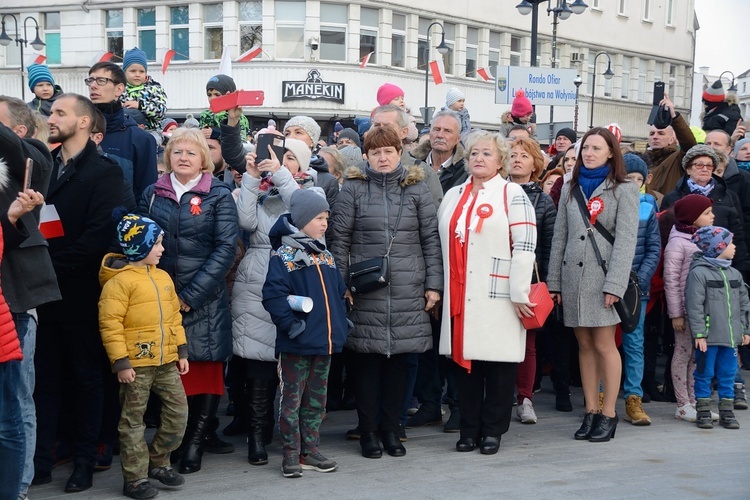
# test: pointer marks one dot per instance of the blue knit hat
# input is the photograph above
(634, 164)
(134, 56)
(39, 73)
(137, 236)
(712, 240)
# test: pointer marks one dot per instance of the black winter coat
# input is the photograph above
(727, 213)
(451, 176)
(723, 117)
(391, 320)
(199, 250)
(545, 211)
(85, 197)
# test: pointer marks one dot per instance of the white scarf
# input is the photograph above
(179, 188)
(461, 222)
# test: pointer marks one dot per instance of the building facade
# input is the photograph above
(647, 41)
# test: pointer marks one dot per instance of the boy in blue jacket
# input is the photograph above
(302, 266)
(647, 254)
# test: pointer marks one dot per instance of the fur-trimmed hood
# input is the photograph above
(423, 150)
(408, 176)
(4, 175)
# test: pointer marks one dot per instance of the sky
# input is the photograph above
(722, 41)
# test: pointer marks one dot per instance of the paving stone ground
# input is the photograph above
(669, 459)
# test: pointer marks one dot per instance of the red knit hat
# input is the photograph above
(688, 209)
(714, 93)
(388, 92)
(521, 105)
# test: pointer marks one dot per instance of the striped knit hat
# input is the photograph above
(714, 93)
(39, 73)
(134, 56)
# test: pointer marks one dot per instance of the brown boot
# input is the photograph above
(634, 411)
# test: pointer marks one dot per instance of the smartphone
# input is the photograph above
(27, 174)
(275, 141)
(658, 93)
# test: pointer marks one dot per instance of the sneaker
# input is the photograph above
(687, 413)
(139, 489)
(291, 468)
(740, 400)
(166, 475)
(104, 458)
(525, 412)
(634, 411)
(316, 461)
(714, 415)
(413, 407)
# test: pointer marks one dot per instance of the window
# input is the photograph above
(450, 41)
(658, 72)
(113, 29)
(642, 81)
(333, 22)
(472, 41)
(671, 88)
(290, 29)
(368, 34)
(179, 32)
(538, 53)
(52, 37)
(147, 32)
(12, 54)
(670, 13)
(625, 90)
(515, 50)
(423, 51)
(647, 10)
(622, 7)
(398, 41)
(595, 4)
(251, 25)
(213, 28)
(494, 56)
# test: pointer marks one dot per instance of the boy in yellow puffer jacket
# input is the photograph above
(141, 328)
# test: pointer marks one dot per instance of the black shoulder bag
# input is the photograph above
(629, 306)
(374, 274)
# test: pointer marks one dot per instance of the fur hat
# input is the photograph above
(714, 93)
(521, 105)
(712, 240)
(307, 124)
(137, 236)
(222, 83)
(39, 73)
(388, 92)
(134, 56)
(699, 150)
(634, 163)
(688, 208)
(300, 150)
(453, 96)
(305, 205)
(352, 134)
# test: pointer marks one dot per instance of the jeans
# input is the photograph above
(11, 431)
(719, 362)
(26, 328)
(632, 349)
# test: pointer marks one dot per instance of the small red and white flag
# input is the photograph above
(437, 69)
(484, 74)
(102, 56)
(50, 224)
(167, 59)
(249, 55)
(366, 60)
(225, 65)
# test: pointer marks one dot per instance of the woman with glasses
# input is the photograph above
(700, 163)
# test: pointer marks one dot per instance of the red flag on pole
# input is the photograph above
(437, 69)
(167, 59)
(249, 55)
(366, 60)
(102, 56)
(485, 74)
(40, 59)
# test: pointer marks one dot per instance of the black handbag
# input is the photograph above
(373, 274)
(628, 308)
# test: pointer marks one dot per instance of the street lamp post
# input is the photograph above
(732, 86)
(442, 49)
(561, 11)
(577, 82)
(5, 40)
(607, 75)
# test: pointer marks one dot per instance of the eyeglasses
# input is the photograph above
(100, 80)
(703, 166)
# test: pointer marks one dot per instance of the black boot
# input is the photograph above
(198, 419)
(648, 384)
(271, 386)
(260, 414)
(211, 441)
(562, 396)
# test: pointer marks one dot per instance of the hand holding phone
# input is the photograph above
(27, 174)
(275, 141)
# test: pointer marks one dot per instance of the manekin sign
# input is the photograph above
(313, 88)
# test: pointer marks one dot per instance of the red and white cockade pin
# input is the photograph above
(595, 206)
(483, 211)
(195, 205)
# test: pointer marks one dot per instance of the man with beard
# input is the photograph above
(664, 153)
(84, 190)
(123, 138)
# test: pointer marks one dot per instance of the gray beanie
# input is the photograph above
(305, 205)
(352, 155)
(352, 135)
(699, 150)
(738, 145)
(307, 124)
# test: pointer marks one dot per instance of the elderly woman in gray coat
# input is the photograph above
(387, 205)
(577, 280)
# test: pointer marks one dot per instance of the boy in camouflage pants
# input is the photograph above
(141, 328)
(305, 338)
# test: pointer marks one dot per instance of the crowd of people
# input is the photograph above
(150, 267)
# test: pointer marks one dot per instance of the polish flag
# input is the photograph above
(438, 71)
(33, 58)
(102, 56)
(167, 59)
(485, 74)
(249, 55)
(40, 59)
(50, 224)
(225, 65)
(366, 60)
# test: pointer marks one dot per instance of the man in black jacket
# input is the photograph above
(444, 152)
(27, 273)
(85, 189)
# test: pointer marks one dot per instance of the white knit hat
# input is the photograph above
(453, 96)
